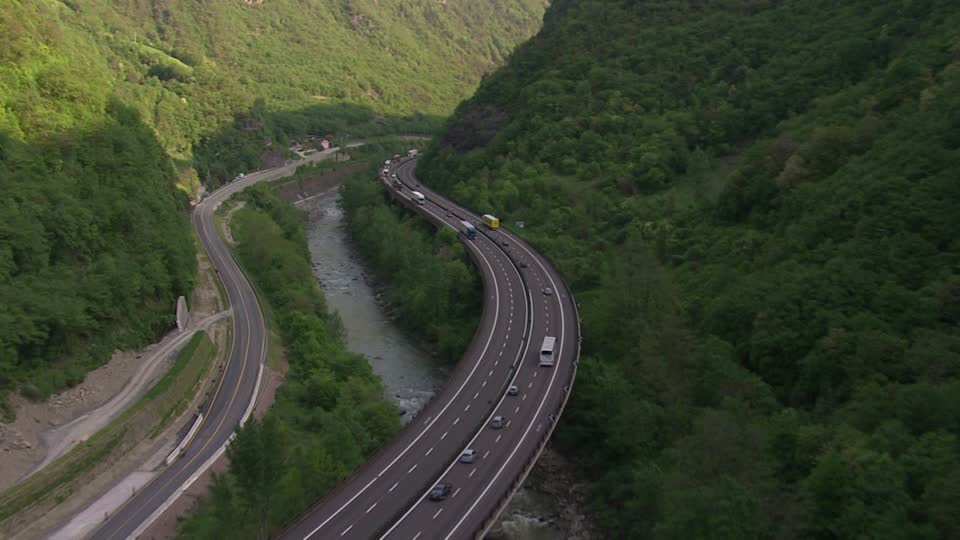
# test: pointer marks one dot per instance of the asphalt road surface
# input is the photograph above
(234, 394)
(387, 497)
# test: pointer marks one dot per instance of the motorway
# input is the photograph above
(387, 497)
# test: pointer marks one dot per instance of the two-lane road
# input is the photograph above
(232, 401)
(387, 497)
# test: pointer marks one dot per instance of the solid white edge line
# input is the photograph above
(529, 426)
(516, 372)
(496, 315)
(536, 415)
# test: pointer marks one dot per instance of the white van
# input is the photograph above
(546, 351)
(417, 196)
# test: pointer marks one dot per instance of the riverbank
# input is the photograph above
(551, 504)
(409, 371)
(329, 414)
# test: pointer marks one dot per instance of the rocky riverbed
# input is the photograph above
(550, 505)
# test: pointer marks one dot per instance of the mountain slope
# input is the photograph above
(755, 201)
(105, 107)
(188, 67)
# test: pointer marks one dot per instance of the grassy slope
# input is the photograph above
(768, 191)
(188, 67)
(94, 250)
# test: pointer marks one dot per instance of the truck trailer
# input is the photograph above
(468, 230)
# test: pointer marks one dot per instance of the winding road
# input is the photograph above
(388, 496)
(234, 397)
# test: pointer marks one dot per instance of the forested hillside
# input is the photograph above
(329, 414)
(95, 247)
(196, 69)
(106, 106)
(756, 202)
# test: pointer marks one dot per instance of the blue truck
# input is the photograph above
(468, 230)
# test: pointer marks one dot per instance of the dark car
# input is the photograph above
(513, 390)
(440, 492)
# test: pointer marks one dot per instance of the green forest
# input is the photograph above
(329, 414)
(96, 247)
(208, 74)
(756, 202)
(107, 108)
(429, 279)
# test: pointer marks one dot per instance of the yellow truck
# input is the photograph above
(491, 221)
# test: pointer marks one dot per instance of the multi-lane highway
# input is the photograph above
(525, 300)
(234, 395)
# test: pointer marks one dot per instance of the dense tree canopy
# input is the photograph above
(192, 69)
(756, 203)
(105, 107)
(330, 412)
(95, 247)
(429, 279)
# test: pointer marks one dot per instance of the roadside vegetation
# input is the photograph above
(328, 416)
(95, 248)
(107, 108)
(427, 275)
(756, 204)
(147, 418)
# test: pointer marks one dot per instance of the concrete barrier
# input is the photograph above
(183, 314)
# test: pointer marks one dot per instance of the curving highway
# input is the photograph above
(233, 398)
(388, 496)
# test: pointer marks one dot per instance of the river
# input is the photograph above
(543, 509)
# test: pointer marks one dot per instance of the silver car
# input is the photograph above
(468, 456)
(497, 422)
